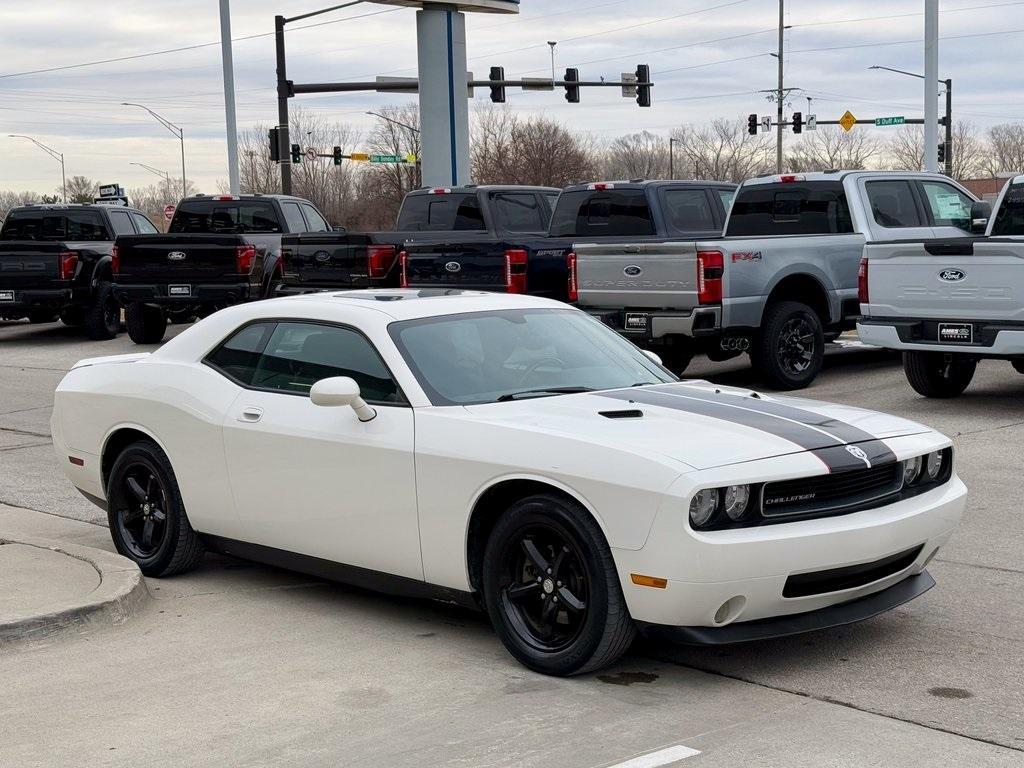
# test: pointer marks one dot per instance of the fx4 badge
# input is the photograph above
(746, 256)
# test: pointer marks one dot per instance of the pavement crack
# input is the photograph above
(989, 429)
(976, 565)
(26, 410)
(28, 432)
(22, 447)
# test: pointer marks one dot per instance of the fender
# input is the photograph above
(101, 269)
(273, 265)
(812, 272)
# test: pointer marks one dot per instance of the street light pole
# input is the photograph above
(553, 43)
(671, 157)
(55, 155)
(229, 96)
(179, 132)
(782, 29)
(396, 122)
(948, 121)
(931, 84)
(158, 172)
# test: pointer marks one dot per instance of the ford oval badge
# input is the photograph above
(952, 275)
(453, 267)
(322, 256)
(632, 271)
(176, 256)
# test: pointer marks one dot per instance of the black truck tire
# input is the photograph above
(789, 351)
(73, 316)
(1018, 365)
(146, 324)
(102, 319)
(932, 375)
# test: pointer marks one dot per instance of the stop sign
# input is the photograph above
(169, 211)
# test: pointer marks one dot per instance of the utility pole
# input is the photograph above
(931, 85)
(781, 92)
(949, 127)
(671, 157)
(229, 95)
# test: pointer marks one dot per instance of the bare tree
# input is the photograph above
(80, 189)
(1006, 149)
(384, 186)
(829, 147)
(722, 150)
(905, 150)
(637, 156)
(9, 200)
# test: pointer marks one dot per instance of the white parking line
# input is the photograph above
(659, 758)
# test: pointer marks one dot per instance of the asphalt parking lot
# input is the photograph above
(236, 664)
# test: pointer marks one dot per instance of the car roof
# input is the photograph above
(486, 188)
(411, 303)
(839, 175)
(73, 207)
(644, 183)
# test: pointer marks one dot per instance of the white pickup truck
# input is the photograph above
(947, 304)
(783, 279)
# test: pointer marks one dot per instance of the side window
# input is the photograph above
(949, 206)
(293, 217)
(726, 196)
(314, 221)
(83, 224)
(299, 355)
(519, 212)
(689, 210)
(893, 204)
(143, 225)
(238, 357)
(121, 223)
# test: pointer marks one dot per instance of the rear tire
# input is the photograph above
(73, 317)
(674, 356)
(147, 517)
(103, 316)
(146, 324)
(932, 375)
(552, 590)
(789, 351)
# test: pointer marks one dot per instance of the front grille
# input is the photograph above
(830, 493)
(850, 577)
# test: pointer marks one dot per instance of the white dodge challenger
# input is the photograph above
(510, 453)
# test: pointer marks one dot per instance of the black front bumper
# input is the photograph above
(42, 298)
(220, 294)
(798, 623)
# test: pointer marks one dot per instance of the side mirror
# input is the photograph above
(981, 212)
(338, 391)
(654, 357)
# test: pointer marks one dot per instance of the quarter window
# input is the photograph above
(949, 206)
(893, 204)
(239, 356)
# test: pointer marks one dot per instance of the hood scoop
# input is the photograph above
(630, 413)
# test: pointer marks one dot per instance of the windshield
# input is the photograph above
(486, 357)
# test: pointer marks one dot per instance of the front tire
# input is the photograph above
(147, 517)
(552, 590)
(102, 319)
(146, 324)
(933, 375)
(789, 352)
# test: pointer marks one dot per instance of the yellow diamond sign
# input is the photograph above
(848, 121)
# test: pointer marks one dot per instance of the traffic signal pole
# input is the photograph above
(949, 127)
(781, 91)
(283, 141)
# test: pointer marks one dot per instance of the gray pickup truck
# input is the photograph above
(779, 283)
(946, 304)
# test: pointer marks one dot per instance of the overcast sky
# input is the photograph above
(709, 58)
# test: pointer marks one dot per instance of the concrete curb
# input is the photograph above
(121, 592)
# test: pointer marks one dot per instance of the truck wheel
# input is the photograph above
(39, 316)
(937, 374)
(103, 316)
(790, 349)
(1018, 365)
(552, 590)
(73, 317)
(146, 324)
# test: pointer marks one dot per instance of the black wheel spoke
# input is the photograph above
(158, 515)
(557, 564)
(522, 591)
(549, 613)
(130, 514)
(570, 601)
(137, 490)
(535, 557)
(147, 533)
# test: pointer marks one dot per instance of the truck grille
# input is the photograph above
(834, 493)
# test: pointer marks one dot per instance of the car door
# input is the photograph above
(311, 479)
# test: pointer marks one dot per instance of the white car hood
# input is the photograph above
(705, 426)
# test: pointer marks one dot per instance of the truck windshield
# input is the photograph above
(441, 212)
(486, 357)
(811, 208)
(1010, 216)
(231, 217)
(43, 224)
(607, 212)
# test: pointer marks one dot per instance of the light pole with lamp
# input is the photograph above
(158, 172)
(948, 82)
(52, 153)
(408, 127)
(553, 43)
(179, 132)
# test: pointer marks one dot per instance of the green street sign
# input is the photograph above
(387, 159)
(895, 120)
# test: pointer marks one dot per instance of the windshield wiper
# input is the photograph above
(542, 392)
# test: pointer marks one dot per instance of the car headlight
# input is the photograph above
(933, 465)
(911, 470)
(737, 499)
(703, 507)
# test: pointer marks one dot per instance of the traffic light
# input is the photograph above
(296, 154)
(752, 124)
(643, 85)
(275, 145)
(942, 152)
(572, 92)
(337, 155)
(798, 122)
(497, 91)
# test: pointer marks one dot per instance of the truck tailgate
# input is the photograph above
(185, 257)
(477, 266)
(959, 279)
(29, 263)
(333, 259)
(638, 275)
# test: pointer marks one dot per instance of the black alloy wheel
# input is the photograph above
(102, 319)
(796, 346)
(790, 349)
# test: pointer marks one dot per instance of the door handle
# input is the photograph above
(251, 414)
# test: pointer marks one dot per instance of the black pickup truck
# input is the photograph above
(55, 261)
(326, 261)
(219, 250)
(541, 263)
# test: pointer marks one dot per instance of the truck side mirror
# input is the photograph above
(981, 212)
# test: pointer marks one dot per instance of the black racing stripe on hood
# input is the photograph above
(803, 428)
